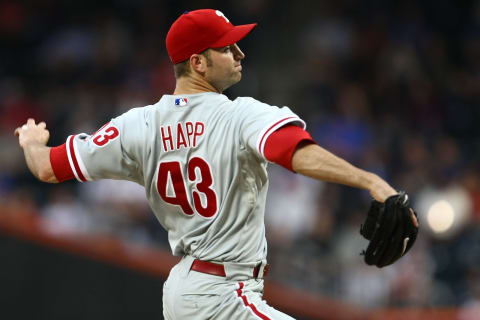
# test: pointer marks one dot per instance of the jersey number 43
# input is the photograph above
(199, 173)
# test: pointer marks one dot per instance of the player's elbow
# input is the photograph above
(46, 175)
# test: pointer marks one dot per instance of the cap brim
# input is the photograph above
(234, 35)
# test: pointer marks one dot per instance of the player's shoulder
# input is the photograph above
(248, 101)
(257, 111)
(253, 106)
(134, 120)
(136, 113)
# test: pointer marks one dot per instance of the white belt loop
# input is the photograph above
(239, 271)
(261, 269)
(186, 264)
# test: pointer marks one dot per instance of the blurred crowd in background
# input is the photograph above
(391, 86)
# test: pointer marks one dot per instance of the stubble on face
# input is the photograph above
(224, 70)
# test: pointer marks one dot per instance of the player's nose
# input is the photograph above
(237, 53)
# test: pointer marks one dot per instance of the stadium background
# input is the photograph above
(392, 86)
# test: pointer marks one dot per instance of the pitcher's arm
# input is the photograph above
(314, 161)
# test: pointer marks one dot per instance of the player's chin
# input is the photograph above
(234, 78)
(237, 76)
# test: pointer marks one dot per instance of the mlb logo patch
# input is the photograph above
(181, 102)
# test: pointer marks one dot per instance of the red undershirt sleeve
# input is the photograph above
(60, 165)
(281, 144)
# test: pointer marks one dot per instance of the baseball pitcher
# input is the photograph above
(202, 159)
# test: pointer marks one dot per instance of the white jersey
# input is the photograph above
(201, 160)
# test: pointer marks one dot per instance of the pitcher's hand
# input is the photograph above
(32, 133)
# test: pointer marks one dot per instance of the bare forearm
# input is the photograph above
(314, 161)
(318, 163)
(37, 157)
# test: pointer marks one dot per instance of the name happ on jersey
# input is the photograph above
(183, 134)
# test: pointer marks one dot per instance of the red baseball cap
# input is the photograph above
(196, 31)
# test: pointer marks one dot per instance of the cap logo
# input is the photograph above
(220, 14)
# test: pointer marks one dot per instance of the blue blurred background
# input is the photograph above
(391, 86)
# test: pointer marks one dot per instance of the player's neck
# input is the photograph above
(191, 85)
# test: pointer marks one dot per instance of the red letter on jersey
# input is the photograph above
(180, 198)
(167, 138)
(189, 127)
(180, 137)
(203, 186)
(203, 183)
(199, 128)
(106, 133)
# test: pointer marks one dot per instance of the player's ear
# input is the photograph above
(198, 63)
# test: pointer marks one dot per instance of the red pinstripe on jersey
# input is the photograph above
(282, 143)
(248, 304)
(271, 129)
(74, 162)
